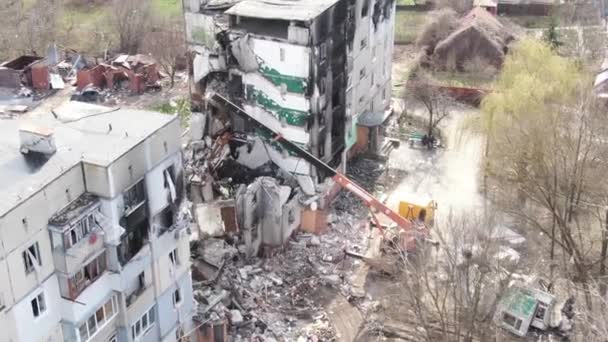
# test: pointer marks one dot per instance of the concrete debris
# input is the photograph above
(278, 297)
(236, 317)
(282, 297)
(243, 52)
(314, 241)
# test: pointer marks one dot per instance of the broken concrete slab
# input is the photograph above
(209, 220)
(360, 276)
(243, 53)
(345, 318)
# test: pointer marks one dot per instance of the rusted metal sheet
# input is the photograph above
(94, 76)
(40, 76)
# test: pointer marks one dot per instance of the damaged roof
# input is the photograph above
(82, 133)
(303, 10)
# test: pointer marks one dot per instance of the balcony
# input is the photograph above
(76, 233)
(71, 260)
(72, 285)
(136, 233)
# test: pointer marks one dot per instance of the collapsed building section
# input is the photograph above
(306, 69)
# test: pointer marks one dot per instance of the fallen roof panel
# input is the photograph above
(303, 10)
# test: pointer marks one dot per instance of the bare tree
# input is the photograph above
(131, 21)
(451, 292)
(547, 152)
(37, 28)
(166, 42)
(438, 26)
(11, 14)
(436, 103)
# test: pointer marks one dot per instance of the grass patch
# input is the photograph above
(167, 8)
(180, 107)
(407, 26)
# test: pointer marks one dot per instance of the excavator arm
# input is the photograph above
(410, 230)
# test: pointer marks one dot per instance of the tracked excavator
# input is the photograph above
(413, 220)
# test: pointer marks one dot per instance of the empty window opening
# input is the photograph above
(87, 275)
(177, 297)
(136, 234)
(79, 230)
(135, 195)
(169, 175)
(38, 305)
(282, 54)
(365, 9)
(31, 258)
(362, 73)
(173, 257)
(363, 43)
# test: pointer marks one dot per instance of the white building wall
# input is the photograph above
(23, 283)
(296, 61)
(167, 274)
(133, 165)
(283, 99)
(32, 216)
(9, 326)
(46, 327)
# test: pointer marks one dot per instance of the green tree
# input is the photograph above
(544, 146)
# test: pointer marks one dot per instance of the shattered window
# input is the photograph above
(135, 195)
(31, 256)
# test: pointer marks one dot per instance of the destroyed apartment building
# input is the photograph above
(305, 69)
(94, 242)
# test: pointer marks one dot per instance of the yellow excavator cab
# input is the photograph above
(418, 212)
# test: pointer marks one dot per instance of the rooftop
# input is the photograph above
(302, 10)
(82, 132)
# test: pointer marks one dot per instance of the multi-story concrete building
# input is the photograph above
(92, 244)
(307, 68)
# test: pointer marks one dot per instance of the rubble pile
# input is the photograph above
(285, 296)
(277, 298)
(123, 75)
(26, 80)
